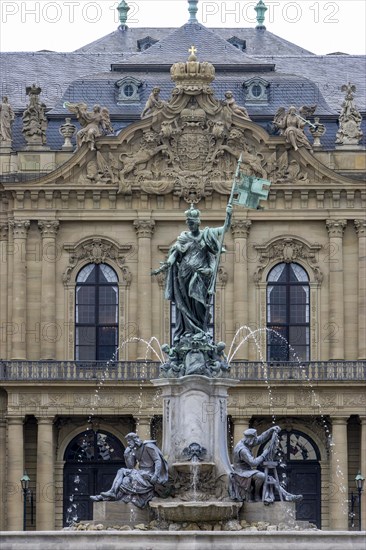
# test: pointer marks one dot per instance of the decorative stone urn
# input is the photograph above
(67, 130)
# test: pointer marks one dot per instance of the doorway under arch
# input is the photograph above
(92, 459)
(302, 474)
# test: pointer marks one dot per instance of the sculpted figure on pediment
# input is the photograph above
(93, 123)
(101, 170)
(236, 145)
(281, 170)
(140, 163)
(168, 156)
(154, 103)
(196, 133)
(231, 104)
(291, 126)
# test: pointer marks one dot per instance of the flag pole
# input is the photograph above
(212, 287)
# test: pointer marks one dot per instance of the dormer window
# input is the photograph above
(238, 43)
(128, 90)
(256, 91)
(146, 43)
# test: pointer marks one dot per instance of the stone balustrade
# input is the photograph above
(140, 370)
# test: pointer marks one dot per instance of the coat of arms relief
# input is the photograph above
(190, 145)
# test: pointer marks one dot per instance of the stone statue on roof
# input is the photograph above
(94, 124)
(6, 122)
(34, 118)
(291, 126)
(350, 119)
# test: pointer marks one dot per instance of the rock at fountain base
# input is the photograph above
(275, 513)
(120, 513)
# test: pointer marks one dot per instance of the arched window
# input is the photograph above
(296, 445)
(288, 313)
(96, 446)
(96, 313)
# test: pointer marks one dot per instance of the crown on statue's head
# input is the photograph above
(193, 213)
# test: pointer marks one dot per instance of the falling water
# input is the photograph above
(314, 398)
(194, 471)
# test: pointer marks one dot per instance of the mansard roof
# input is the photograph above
(295, 75)
(256, 40)
(208, 43)
(55, 71)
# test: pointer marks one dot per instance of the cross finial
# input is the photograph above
(192, 50)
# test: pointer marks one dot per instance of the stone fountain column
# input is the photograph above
(195, 411)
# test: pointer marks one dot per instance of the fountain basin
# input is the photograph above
(181, 512)
(188, 467)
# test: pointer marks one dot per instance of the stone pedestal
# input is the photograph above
(195, 411)
(120, 513)
(278, 512)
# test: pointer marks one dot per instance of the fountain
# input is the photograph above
(194, 382)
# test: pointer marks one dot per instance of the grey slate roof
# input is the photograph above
(329, 72)
(257, 40)
(261, 40)
(300, 77)
(284, 90)
(55, 71)
(124, 40)
(175, 47)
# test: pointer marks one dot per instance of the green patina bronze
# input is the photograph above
(191, 271)
(261, 9)
(123, 9)
(249, 191)
(193, 9)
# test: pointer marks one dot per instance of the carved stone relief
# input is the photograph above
(288, 249)
(193, 143)
(103, 169)
(97, 250)
(282, 170)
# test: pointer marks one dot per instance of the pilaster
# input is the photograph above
(240, 231)
(360, 226)
(20, 232)
(143, 427)
(336, 287)
(3, 287)
(45, 475)
(49, 331)
(338, 497)
(362, 469)
(15, 470)
(3, 473)
(144, 231)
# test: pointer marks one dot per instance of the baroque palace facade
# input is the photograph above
(82, 229)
